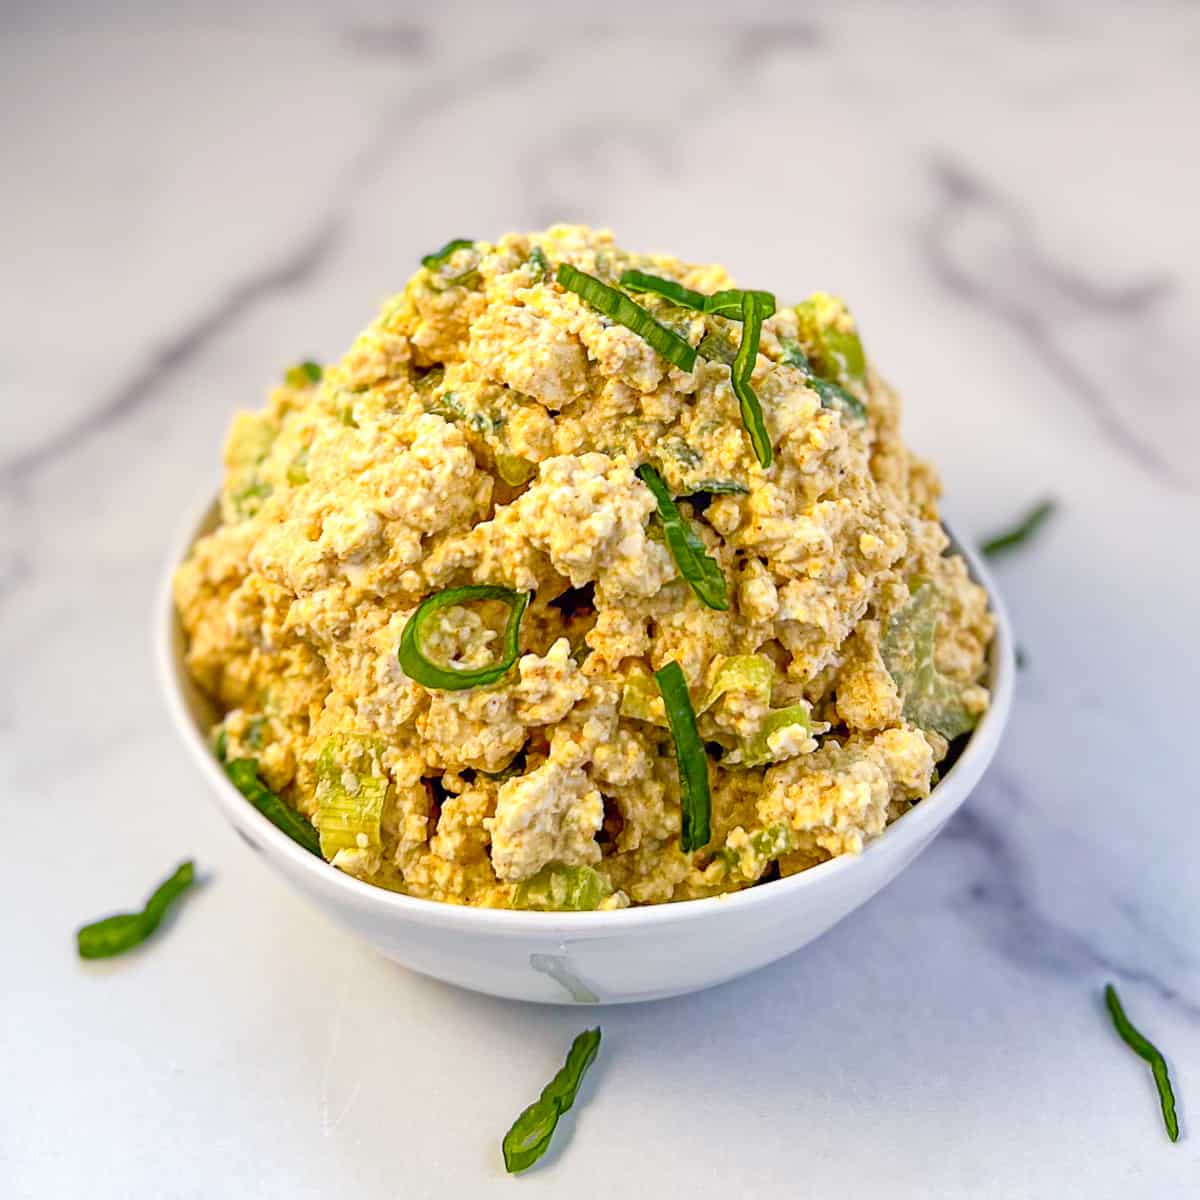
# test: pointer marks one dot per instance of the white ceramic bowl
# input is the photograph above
(593, 957)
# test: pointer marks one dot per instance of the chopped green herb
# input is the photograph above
(702, 572)
(740, 372)
(302, 374)
(1146, 1050)
(114, 935)
(243, 772)
(1021, 532)
(727, 303)
(540, 264)
(1022, 658)
(682, 452)
(435, 260)
(694, 798)
(931, 700)
(624, 311)
(451, 678)
(529, 1137)
(559, 888)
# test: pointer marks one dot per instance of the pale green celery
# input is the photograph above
(297, 472)
(830, 339)
(752, 673)
(349, 797)
(641, 700)
(559, 888)
(250, 441)
(766, 845)
(771, 842)
(756, 751)
(932, 701)
(513, 469)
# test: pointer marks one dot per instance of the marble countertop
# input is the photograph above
(1008, 197)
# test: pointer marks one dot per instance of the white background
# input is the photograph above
(192, 199)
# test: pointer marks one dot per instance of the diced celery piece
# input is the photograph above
(931, 700)
(641, 699)
(752, 673)
(559, 888)
(756, 751)
(830, 339)
(771, 842)
(513, 469)
(349, 796)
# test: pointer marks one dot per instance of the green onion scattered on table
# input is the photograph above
(433, 261)
(740, 372)
(1021, 532)
(429, 674)
(529, 1137)
(694, 799)
(1146, 1050)
(624, 311)
(114, 935)
(702, 572)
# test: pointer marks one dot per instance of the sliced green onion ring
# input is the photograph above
(529, 1137)
(456, 679)
(435, 260)
(702, 572)
(739, 374)
(624, 311)
(694, 798)
(729, 303)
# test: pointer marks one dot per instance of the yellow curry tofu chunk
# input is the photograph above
(497, 438)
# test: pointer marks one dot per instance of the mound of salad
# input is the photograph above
(584, 579)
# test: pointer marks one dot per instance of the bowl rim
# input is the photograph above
(909, 831)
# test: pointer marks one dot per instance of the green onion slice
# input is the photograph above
(1145, 1049)
(1021, 532)
(702, 572)
(302, 374)
(624, 311)
(695, 801)
(727, 303)
(116, 934)
(456, 679)
(529, 1137)
(739, 374)
(243, 772)
(435, 260)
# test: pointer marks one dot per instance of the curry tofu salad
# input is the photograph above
(584, 579)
